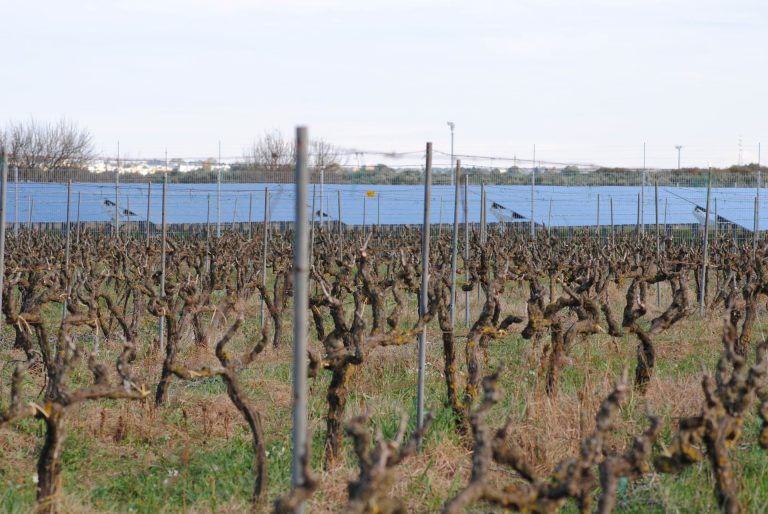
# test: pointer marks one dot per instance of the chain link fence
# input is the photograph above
(565, 200)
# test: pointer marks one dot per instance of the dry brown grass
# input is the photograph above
(549, 429)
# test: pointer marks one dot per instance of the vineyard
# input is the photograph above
(518, 265)
(585, 378)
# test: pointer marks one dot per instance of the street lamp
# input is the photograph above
(679, 147)
(452, 125)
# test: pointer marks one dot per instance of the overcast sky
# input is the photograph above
(584, 80)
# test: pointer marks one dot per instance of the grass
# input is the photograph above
(195, 454)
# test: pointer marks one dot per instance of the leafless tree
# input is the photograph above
(272, 152)
(46, 146)
(323, 155)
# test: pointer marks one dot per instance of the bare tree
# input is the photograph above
(272, 152)
(47, 146)
(323, 155)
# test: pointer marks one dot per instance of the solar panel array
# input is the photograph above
(555, 206)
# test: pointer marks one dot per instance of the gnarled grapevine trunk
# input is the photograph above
(170, 356)
(253, 418)
(338, 392)
(49, 462)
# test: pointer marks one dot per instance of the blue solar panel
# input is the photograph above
(556, 206)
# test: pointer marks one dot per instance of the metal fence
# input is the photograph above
(563, 200)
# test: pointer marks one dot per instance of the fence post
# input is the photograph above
(613, 237)
(264, 256)
(322, 193)
(218, 203)
(300, 307)
(341, 225)
(423, 293)
(234, 216)
(658, 241)
(598, 217)
(250, 216)
(77, 221)
(483, 221)
(67, 248)
(705, 248)
(365, 197)
(440, 219)
(716, 223)
(128, 215)
(312, 228)
(637, 222)
(15, 200)
(533, 190)
(208, 220)
(759, 185)
(338, 201)
(117, 192)
(482, 226)
(149, 212)
(455, 241)
(642, 196)
(163, 243)
(3, 193)
(754, 227)
(466, 248)
(30, 207)
(549, 219)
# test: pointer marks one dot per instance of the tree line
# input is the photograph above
(63, 150)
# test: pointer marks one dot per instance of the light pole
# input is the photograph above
(452, 125)
(678, 147)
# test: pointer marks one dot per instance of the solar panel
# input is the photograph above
(556, 206)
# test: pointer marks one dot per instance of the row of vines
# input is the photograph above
(63, 320)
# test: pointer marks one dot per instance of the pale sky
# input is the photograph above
(584, 80)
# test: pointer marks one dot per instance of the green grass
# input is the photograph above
(179, 467)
